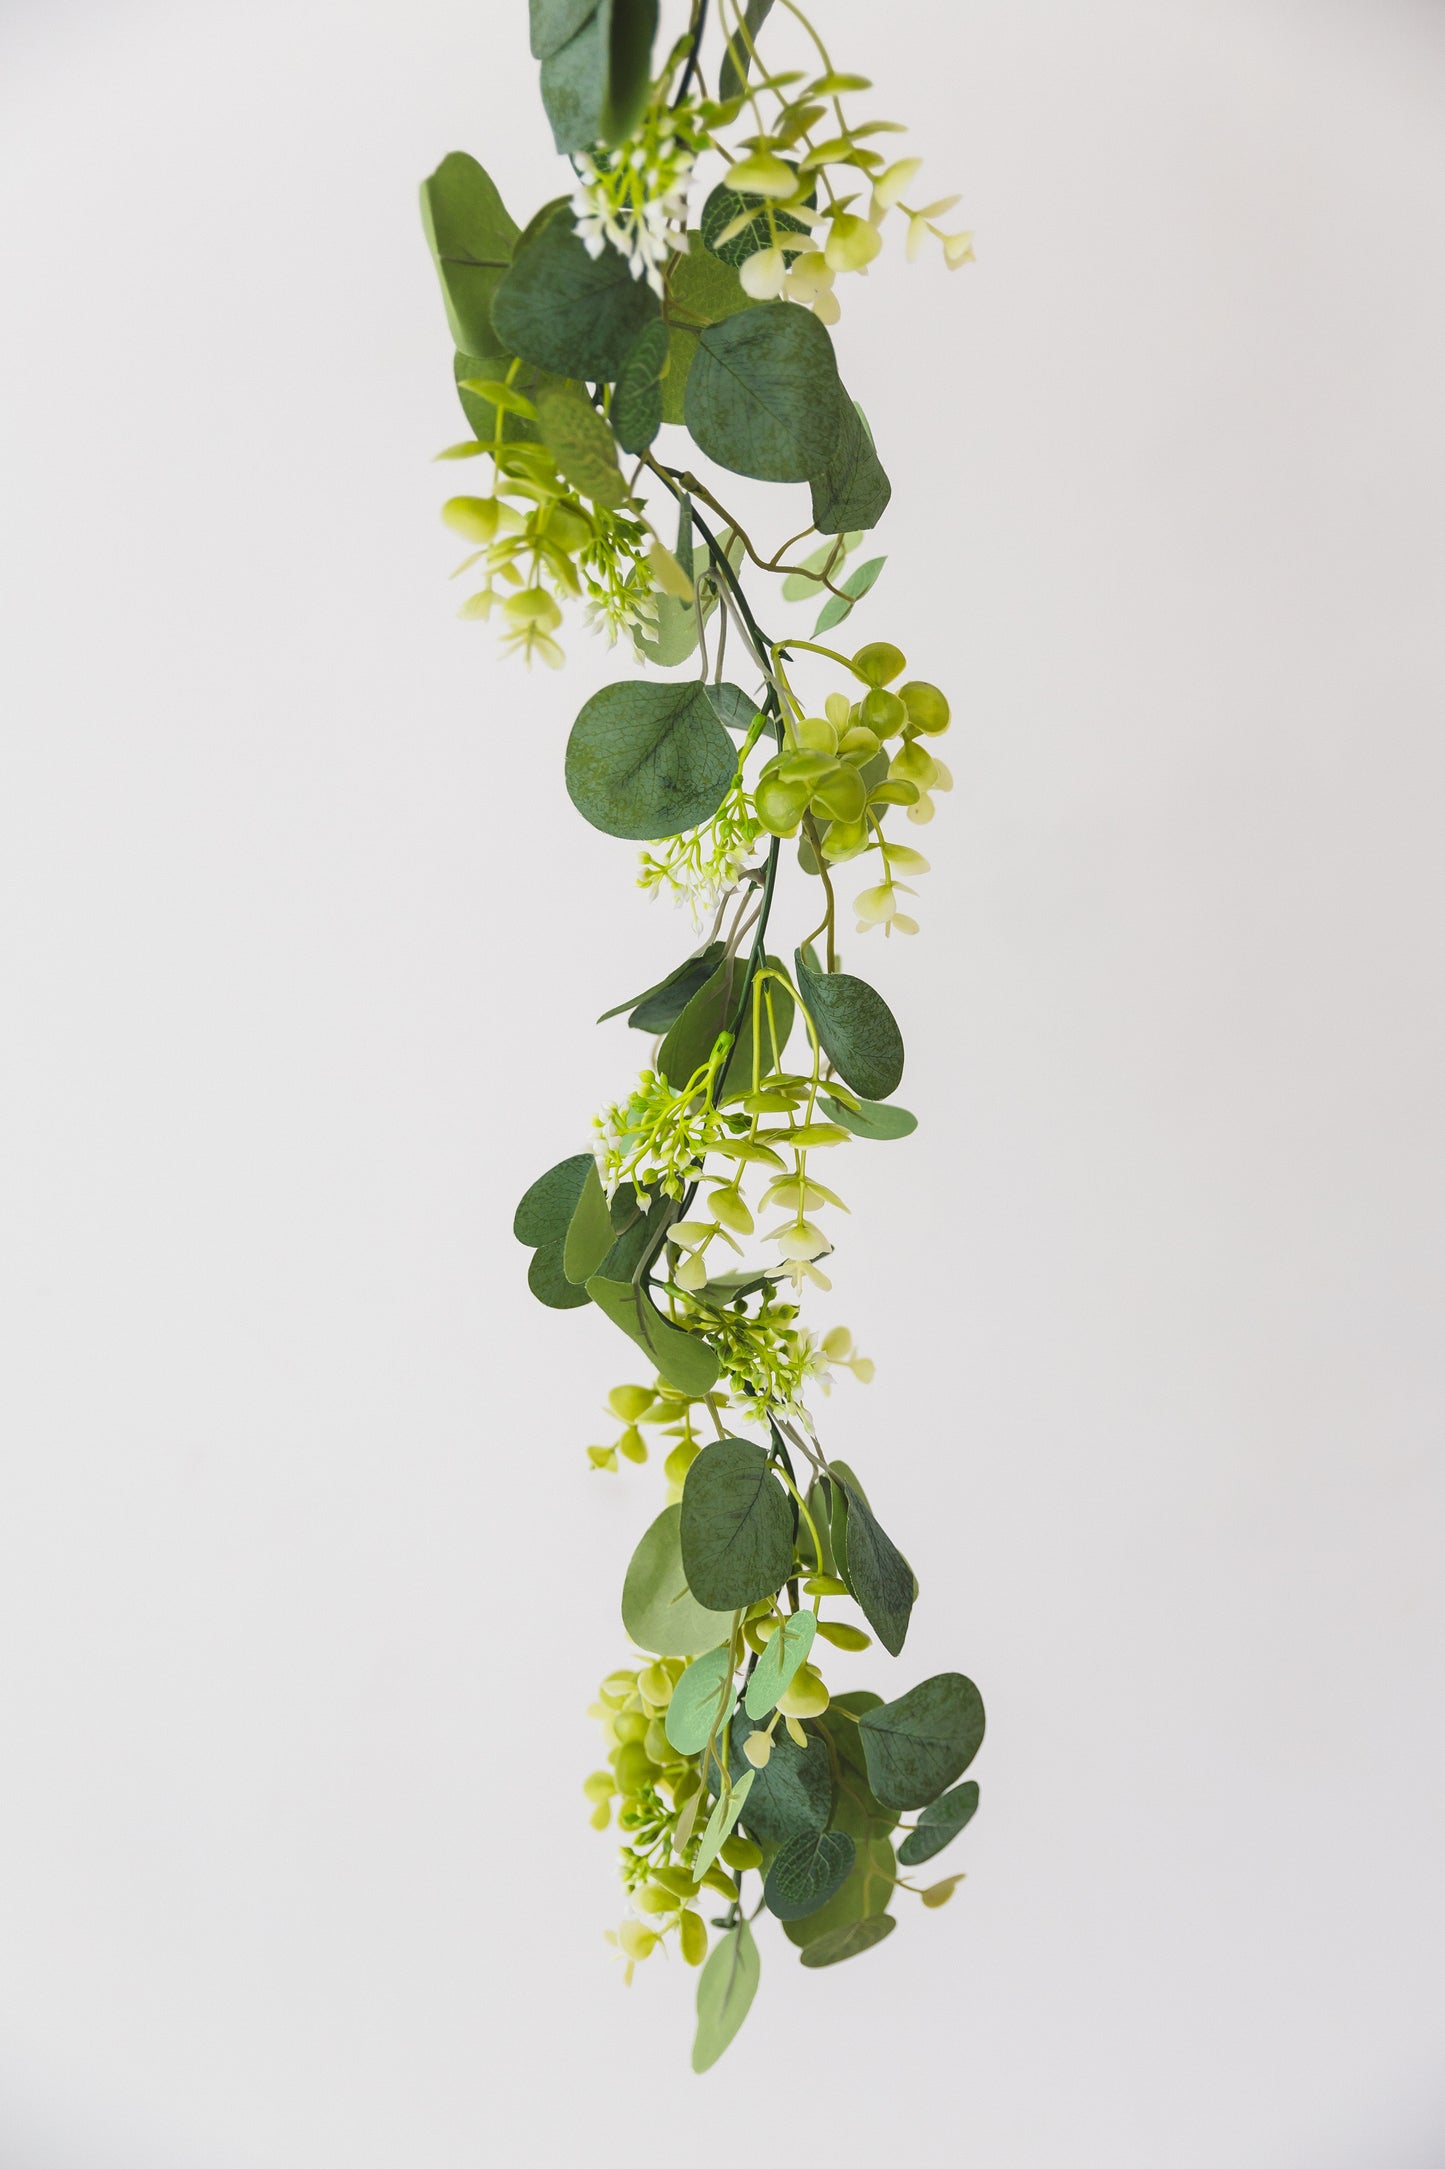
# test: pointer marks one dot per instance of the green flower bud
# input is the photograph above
(680, 1460)
(601, 1815)
(841, 1637)
(599, 1786)
(879, 662)
(806, 1696)
(758, 1746)
(632, 1445)
(939, 1893)
(927, 708)
(635, 1767)
(740, 1852)
(630, 1725)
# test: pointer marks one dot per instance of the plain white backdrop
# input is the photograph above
(304, 1584)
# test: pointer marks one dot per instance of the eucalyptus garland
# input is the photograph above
(639, 304)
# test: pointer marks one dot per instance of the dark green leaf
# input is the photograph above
(763, 396)
(807, 1872)
(681, 348)
(725, 1991)
(637, 399)
(794, 1792)
(852, 490)
(658, 1007)
(855, 1807)
(919, 1744)
(471, 236)
(646, 761)
(582, 445)
(566, 311)
(596, 61)
(857, 1029)
(776, 1668)
(737, 710)
(548, 1281)
(659, 1611)
(724, 205)
(737, 1526)
(870, 1118)
(684, 1360)
(701, 1701)
(712, 1010)
(705, 285)
(841, 1943)
(939, 1825)
(875, 1570)
(548, 1206)
(866, 1893)
(590, 1232)
(738, 57)
(835, 609)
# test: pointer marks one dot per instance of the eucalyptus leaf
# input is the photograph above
(646, 761)
(684, 1360)
(856, 585)
(806, 1872)
(637, 396)
(713, 1009)
(865, 1893)
(735, 709)
(763, 397)
(471, 235)
(566, 311)
(794, 1789)
(778, 1665)
(480, 413)
(737, 1525)
(849, 1942)
(659, 1611)
(681, 351)
(807, 582)
(856, 1808)
(852, 490)
(856, 1027)
(701, 1701)
(590, 1232)
(705, 285)
(582, 445)
(596, 62)
(548, 1281)
(939, 1825)
(737, 59)
(725, 1991)
(724, 205)
(919, 1744)
(548, 1204)
(870, 1118)
(875, 1570)
(659, 1006)
(721, 1823)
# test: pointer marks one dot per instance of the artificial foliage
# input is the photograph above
(672, 310)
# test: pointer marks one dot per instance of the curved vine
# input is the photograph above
(738, 1776)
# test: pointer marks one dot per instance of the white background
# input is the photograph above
(304, 1582)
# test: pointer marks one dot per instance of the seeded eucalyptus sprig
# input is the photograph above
(632, 304)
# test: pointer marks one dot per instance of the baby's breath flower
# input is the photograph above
(634, 198)
(703, 865)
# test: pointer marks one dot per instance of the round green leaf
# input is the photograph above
(596, 62)
(806, 1872)
(939, 1825)
(701, 1701)
(870, 1118)
(857, 1029)
(919, 1744)
(637, 397)
(737, 1526)
(725, 1991)
(646, 761)
(548, 1281)
(471, 235)
(659, 1611)
(874, 1568)
(582, 445)
(852, 490)
(792, 1792)
(763, 396)
(850, 1942)
(548, 1205)
(569, 312)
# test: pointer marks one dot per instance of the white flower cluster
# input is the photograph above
(635, 199)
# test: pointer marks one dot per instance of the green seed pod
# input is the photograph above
(630, 1724)
(656, 1898)
(716, 1880)
(655, 1687)
(680, 1460)
(805, 1697)
(740, 1852)
(879, 662)
(601, 1785)
(627, 1403)
(474, 517)
(883, 713)
(841, 1637)
(758, 1747)
(780, 806)
(840, 794)
(927, 709)
(635, 1767)
(601, 1815)
(692, 1937)
(659, 1747)
(939, 1893)
(632, 1444)
(824, 1585)
(677, 1880)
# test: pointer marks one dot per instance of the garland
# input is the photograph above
(578, 337)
